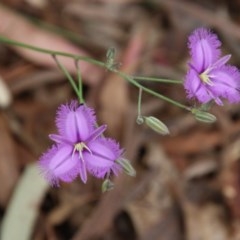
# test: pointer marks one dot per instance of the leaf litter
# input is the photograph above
(185, 182)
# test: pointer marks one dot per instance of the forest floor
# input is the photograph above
(187, 185)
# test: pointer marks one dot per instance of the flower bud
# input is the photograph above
(110, 58)
(111, 53)
(204, 116)
(107, 185)
(156, 125)
(127, 167)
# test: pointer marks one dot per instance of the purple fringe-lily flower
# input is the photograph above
(79, 147)
(209, 77)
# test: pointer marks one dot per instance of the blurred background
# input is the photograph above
(188, 183)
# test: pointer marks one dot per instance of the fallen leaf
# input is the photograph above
(8, 163)
(19, 29)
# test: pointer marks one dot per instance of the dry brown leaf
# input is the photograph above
(5, 94)
(119, 1)
(24, 206)
(195, 142)
(205, 222)
(230, 177)
(19, 29)
(151, 210)
(66, 208)
(8, 163)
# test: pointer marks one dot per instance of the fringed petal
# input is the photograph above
(195, 88)
(75, 123)
(59, 164)
(204, 49)
(226, 83)
(102, 158)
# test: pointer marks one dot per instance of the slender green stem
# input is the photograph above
(157, 80)
(135, 83)
(65, 71)
(95, 62)
(50, 52)
(80, 87)
(139, 101)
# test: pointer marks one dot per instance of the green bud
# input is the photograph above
(156, 125)
(140, 120)
(107, 185)
(110, 58)
(204, 116)
(111, 53)
(127, 167)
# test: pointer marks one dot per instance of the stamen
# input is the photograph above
(205, 78)
(74, 150)
(80, 147)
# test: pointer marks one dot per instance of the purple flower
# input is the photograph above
(79, 147)
(208, 77)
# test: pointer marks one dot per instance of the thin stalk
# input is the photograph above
(80, 87)
(135, 83)
(95, 62)
(139, 102)
(69, 77)
(50, 52)
(157, 80)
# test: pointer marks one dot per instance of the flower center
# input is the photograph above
(205, 78)
(80, 147)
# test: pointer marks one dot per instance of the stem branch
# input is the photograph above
(157, 80)
(128, 78)
(80, 87)
(65, 71)
(135, 83)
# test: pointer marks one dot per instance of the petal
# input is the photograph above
(96, 133)
(59, 164)
(102, 158)
(56, 138)
(204, 49)
(75, 123)
(226, 83)
(222, 61)
(195, 88)
(83, 171)
(59, 139)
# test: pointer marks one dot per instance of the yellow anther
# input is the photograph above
(80, 147)
(205, 78)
